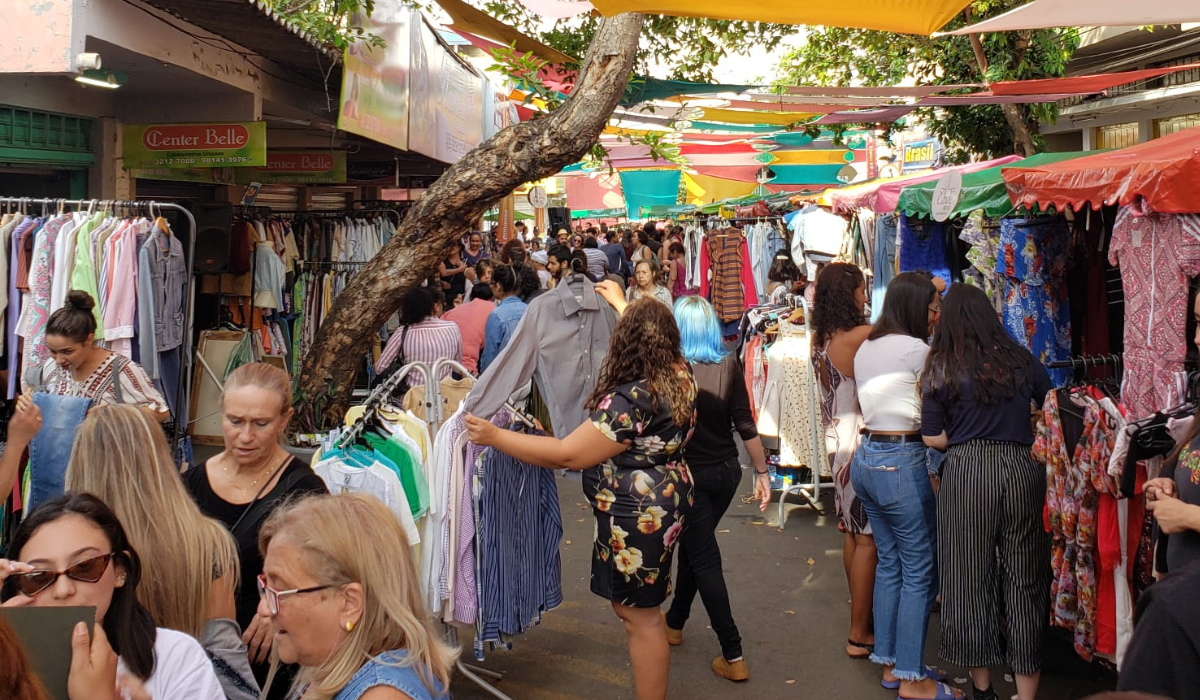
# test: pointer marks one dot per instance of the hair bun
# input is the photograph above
(81, 300)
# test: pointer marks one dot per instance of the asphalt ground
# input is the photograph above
(790, 599)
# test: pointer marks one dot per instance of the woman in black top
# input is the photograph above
(242, 486)
(453, 273)
(978, 388)
(722, 407)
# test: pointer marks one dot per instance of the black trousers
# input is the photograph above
(700, 556)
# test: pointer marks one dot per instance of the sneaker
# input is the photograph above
(732, 670)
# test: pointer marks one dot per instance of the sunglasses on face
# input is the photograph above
(88, 571)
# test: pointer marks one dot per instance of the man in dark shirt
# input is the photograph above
(1164, 654)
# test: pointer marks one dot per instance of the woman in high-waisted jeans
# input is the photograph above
(890, 475)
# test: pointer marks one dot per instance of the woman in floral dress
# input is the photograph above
(640, 488)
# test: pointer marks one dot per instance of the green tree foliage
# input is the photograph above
(327, 21)
(837, 56)
(677, 48)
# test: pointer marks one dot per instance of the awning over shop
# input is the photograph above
(703, 189)
(903, 16)
(883, 194)
(598, 213)
(1043, 14)
(1163, 171)
(252, 25)
(980, 190)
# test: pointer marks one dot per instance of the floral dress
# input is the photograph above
(639, 497)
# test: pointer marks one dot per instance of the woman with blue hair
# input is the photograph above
(722, 407)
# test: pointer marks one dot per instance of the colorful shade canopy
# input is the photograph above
(1164, 172)
(1043, 14)
(903, 16)
(980, 190)
(1083, 83)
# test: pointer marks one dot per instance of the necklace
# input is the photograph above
(246, 489)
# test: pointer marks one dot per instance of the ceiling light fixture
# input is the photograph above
(102, 78)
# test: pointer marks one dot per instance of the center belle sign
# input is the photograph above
(237, 144)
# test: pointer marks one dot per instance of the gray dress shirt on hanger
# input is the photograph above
(560, 342)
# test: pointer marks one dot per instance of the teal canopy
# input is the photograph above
(642, 89)
(983, 189)
(649, 188)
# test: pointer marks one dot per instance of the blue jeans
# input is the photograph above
(892, 480)
(51, 447)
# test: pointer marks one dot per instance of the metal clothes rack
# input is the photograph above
(150, 207)
(1087, 361)
(335, 213)
(434, 417)
(810, 490)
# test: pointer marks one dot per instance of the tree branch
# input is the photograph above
(522, 153)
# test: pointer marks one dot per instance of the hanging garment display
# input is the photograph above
(1033, 258)
(923, 247)
(788, 398)
(1157, 254)
(560, 342)
(818, 235)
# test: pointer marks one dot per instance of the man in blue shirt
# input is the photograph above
(504, 318)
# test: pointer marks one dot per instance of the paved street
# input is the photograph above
(789, 598)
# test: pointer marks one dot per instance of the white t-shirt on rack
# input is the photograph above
(888, 372)
(181, 669)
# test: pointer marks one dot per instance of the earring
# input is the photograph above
(349, 626)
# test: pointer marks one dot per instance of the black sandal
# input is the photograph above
(989, 694)
(869, 648)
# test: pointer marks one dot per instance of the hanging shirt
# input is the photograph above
(561, 341)
(816, 230)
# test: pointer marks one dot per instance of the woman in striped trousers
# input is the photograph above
(978, 388)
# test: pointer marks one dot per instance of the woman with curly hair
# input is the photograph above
(636, 479)
(840, 327)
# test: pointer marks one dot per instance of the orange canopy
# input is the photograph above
(1163, 171)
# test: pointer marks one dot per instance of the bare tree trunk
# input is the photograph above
(522, 153)
(1022, 136)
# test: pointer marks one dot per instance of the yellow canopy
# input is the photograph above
(480, 23)
(903, 16)
(813, 157)
(703, 189)
(741, 116)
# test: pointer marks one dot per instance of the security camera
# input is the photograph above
(87, 61)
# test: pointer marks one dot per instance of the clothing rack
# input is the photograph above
(331, 264)
(810, 490)
(336, 213)
(151, 208)
(384, 392)
(1087, 361)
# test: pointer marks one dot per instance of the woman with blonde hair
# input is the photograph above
(121, 456)
(361, 630)
(252, 476)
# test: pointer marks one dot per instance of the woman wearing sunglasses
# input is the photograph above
(340, 589)
(72, 551)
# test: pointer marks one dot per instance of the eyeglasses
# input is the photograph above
(87, 571)
(272, 596)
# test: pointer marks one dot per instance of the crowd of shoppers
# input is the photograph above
(243, 577)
